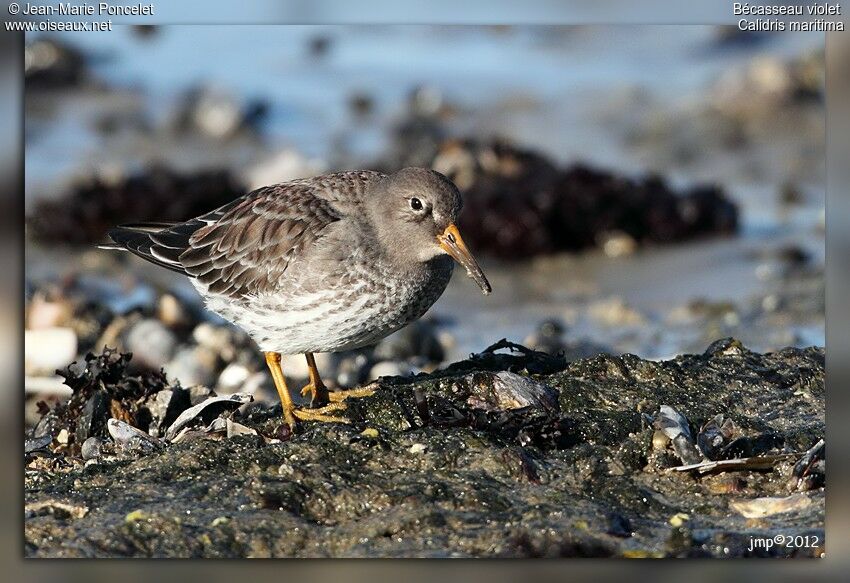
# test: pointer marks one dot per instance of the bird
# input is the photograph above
(323, 264)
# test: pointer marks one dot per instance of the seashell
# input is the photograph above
(130, 439)
(674, 425)
(768, 506)
(207, 411)
(506, 390)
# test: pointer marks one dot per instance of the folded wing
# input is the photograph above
(242, 247)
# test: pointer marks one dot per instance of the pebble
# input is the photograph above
(282, 166)
(46, 313)
(232, 377)
(388, 368)
(352, 370)
(617, 244)
(193, 365)
(48, 349)
(91, 448)
(151, 343)
(548, 338)
(613, 311)
(63, 436)
(171, 312)
(416, 339)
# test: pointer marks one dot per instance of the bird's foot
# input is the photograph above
(322, 414)
(319, 394)
(356, 393)
(336, 403)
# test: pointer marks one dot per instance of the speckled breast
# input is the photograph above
(352, 309)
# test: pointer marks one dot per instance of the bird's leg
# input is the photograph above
(290, 413)
(273, 362)
(321, 397)
(315, 387)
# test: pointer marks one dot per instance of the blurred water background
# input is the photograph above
(691, 104)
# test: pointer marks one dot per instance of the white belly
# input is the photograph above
(331, 320)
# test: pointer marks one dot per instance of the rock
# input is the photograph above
(318, 45)
(60, 510)
(172, 312)
(282, 166)
(94, 417)
(418, 339)
(232, 377)
(193, 365)
(519, 204)
(388, 368)
(44, 312)
(217, 114)
(151, 343)
(548, 338)
(506, 473)
(48, 349)
(50, 64)
(227, 342)
(353, 370)
(613, 311)
(616, 243)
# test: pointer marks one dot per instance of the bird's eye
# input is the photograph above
(416, 204)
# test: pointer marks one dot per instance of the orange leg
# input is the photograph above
(290, 413)
(315, 387)
(273, 362)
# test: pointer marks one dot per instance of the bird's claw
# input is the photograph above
(322, 414)
(319, 394)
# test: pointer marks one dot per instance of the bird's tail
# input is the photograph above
(138, 240)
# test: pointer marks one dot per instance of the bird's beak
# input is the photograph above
(452, 243)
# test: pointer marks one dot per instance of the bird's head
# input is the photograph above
(415, 211)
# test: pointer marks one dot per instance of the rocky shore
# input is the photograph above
(511, 453)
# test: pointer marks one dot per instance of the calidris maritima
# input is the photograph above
(318, 265)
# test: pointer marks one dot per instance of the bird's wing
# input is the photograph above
(246, 246)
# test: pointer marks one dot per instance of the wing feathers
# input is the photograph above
(246, 246)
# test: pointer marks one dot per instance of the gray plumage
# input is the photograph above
(320, 264)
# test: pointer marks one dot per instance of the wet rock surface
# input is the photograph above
(511, 453)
